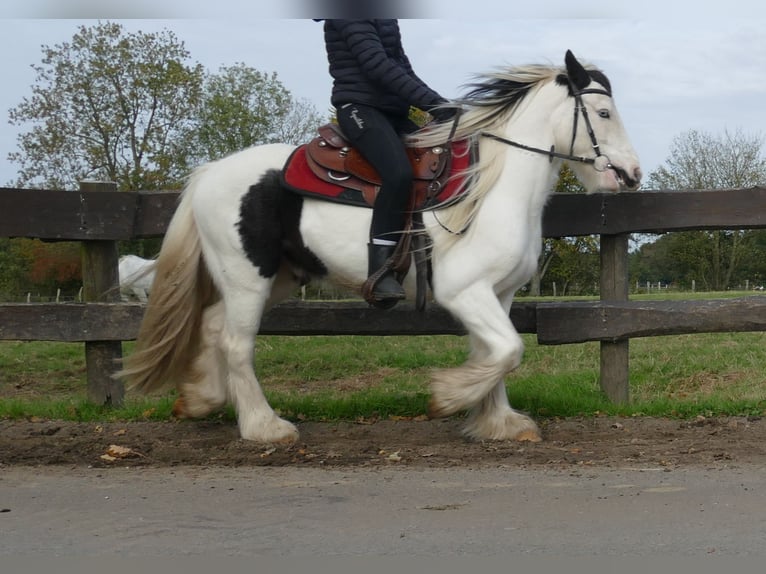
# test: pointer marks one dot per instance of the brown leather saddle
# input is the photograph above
(334, 160)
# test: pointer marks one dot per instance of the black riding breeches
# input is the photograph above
(377, 136)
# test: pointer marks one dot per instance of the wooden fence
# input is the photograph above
(98, 216)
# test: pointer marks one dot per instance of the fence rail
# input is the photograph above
(98, 216)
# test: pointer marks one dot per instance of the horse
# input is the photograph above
(135, 277)
(238, 243)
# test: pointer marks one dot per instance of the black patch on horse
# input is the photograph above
(269, 227)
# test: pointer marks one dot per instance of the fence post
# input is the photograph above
(614, 286)
(100, 283)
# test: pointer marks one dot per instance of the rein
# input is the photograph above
(550, 153)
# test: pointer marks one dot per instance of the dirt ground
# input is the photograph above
(602, 441)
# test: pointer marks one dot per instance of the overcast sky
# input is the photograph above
(671, 71)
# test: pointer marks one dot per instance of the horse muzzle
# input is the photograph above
(629, 181)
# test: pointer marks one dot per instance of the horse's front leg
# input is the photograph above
(496, 349)
(493, 418)
(479, 384)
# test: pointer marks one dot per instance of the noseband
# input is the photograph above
(579, 108)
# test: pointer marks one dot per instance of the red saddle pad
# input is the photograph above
(298, 177)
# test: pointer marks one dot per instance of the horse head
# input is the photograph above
(600, 152)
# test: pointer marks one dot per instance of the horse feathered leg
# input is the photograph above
(494, 419)
(478, 384)
(496, 350)
(256, 419)
(245, 303)
(204, 390)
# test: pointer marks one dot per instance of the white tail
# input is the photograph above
(168, 338)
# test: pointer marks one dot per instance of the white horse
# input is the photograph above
(239, 243)
(136, 277)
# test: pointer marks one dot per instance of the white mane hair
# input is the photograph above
(490, 104)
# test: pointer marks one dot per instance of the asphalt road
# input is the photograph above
(396, 511)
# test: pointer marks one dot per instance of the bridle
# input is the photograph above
(579, 109)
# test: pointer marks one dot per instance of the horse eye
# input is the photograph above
(604, 114)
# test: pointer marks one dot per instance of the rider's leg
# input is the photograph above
(373, 134)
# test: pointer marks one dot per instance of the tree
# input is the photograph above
(753, 266)
(702, 161)
(574, 266)
(15, 268)
(241, 107)
(132, 109)
(31, 265)
(108, 105)
(55, 265)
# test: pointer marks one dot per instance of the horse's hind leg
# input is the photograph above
(245, 304)
(204, 389)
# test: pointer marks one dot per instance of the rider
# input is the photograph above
(373, 88)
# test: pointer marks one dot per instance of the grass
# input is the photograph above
(332, 378)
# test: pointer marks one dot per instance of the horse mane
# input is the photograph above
(490, 103)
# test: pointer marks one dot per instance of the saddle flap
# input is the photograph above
(357, 166)
(332, 170)
(327, 156)
(339, 163)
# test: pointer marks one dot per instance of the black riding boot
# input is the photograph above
(387, 289)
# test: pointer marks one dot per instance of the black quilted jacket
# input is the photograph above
(369, 66)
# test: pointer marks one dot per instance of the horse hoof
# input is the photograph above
(179, 409)
(438, 410)
(432, 411)
(528, 435)
(288, 440)
(273, 430)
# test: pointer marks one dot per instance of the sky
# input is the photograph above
(674, 68)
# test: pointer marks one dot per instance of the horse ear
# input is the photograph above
(577, 74)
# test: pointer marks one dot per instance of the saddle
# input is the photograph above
(330, 168)
(334, 160)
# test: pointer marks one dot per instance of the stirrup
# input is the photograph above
(368, 289)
